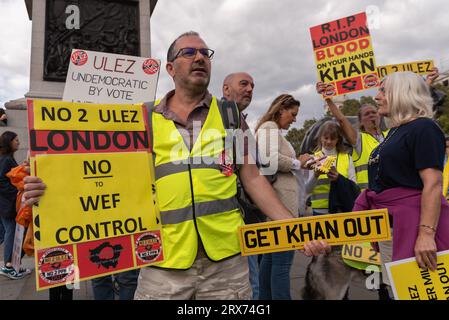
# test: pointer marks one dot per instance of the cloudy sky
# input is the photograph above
(268, 38)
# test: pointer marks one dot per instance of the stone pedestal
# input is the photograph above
(103, 27)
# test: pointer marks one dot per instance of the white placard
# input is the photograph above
(98, 77)
(17, 247)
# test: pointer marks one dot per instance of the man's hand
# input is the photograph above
(306, 160)
(34, 189)
(316, 248)
(3, 117)
(432, 76)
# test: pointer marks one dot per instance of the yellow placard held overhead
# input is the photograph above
(59, 115)
(418, 67)
(342, 228)
(94, 196)
(409, 282)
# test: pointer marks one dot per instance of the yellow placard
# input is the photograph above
(409, 282)
(362, 252)
(67, 116)
(420, 67)
(334, 65)
(336, 229)
(94, 196)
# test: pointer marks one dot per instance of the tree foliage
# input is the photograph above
(295, 136)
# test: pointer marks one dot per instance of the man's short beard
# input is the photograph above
(197, 89)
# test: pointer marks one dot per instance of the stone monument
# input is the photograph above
(58, 26)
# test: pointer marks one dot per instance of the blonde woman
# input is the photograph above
(405, 171)
(274, 276)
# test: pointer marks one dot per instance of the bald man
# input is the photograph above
(238, 87)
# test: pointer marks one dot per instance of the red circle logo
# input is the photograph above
(56, 265)
(148, 247)
(79, 57)
(330, 90)
(370, 80)
(150, 66)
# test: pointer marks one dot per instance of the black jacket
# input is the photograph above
(8, 192)
(342, 195)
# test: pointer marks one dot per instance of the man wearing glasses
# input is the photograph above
(199, 211)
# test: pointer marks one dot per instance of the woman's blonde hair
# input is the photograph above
(282, 102)
(408, 97)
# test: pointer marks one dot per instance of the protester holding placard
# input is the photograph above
(200, 215)
(405, 171)
(330, 144)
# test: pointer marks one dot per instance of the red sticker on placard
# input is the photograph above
(55, 265)
(79, 57)
(150, 66)
(330, 90)
(370, 80)
(148, 247)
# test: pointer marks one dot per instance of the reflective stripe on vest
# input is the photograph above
(369, 143)
(195, 199)
(320, 194)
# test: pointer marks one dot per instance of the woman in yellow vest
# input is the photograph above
(328, 277)
(330, 143)
(363, 141)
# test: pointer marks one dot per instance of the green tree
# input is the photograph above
(351, 107)
(295, 136)
(367, 100)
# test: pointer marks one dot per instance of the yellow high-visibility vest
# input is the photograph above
(369, 143)
(320, 194)
(196, 200)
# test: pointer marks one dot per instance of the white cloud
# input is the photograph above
(268, 38)
(15, 40)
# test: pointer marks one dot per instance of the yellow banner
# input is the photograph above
(419, 67)
(94, 196)
(67, 116)
(409, 282)
(336, 229)
(362, 252)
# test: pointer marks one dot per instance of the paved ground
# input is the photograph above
(25, 289)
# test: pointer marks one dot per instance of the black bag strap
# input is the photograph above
(149, 106)
(231, 120)
(229, 114)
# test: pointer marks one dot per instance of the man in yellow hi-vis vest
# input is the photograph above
(199, 212)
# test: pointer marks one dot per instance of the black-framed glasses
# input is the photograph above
(189, 53)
